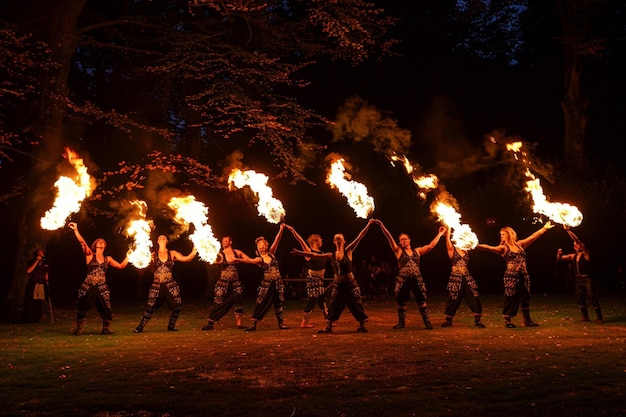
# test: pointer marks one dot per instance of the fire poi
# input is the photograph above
(267, 206)
(70, 193)
(190, 211)
(139, 229)
(355, 192)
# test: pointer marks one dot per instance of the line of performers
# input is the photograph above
(344, 292)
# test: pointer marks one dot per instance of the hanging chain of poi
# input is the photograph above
(562, 213)
(425, 183)
(70, 193)
(267, 206)
(462, 235)
(139, 229)
(188, 210)
(355, 192)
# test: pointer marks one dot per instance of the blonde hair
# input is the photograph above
(512, 236)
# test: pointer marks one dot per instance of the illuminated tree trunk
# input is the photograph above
(63, 39)
(574, 107)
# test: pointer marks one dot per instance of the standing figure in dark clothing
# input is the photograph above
(36, 287)
(585, 288)
(516, 279)
(272, 288)
(164, 288)
(316, 268)
(345, 291)
(461, 285)
(409, 277)
(228, 289)
(94, 289)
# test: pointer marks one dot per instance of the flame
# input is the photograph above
(188, 210)
(267, 206)
(561, 213)
(462, 235)
(425, 183)
(139, 229)
(70, 193)
(355, 192)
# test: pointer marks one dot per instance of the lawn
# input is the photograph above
(563, 367)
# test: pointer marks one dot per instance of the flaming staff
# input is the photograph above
(462, 235)
(70, 193)
(139, 229)
(355, 192)
(562, 213)
(267, 206)
(188, 210)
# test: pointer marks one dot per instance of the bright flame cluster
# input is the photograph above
(355, 192)
(425, 183)
(561, 213)
(462, 235)
(267, 206)
(188, 210)
(70, 193)
(139, 229)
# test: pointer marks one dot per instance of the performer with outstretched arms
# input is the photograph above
(228, 289)
(346, 291)
(316, 269)
(94, 289)
(164, 288)
(585, 288)
(461, 285)
(516, 279)
(409, 277)
(272, 288)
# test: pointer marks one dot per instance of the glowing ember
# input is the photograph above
(139, 229)
(268, 206)
(188, 210)
(70, 193)
(462, 235)
(561, 213)
(355, 192)
(425, 183)
(405, 161)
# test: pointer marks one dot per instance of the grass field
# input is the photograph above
(564, 367)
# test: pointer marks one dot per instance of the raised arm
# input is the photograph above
(279, 235)
(116, 264)
(85, 247)
(394, 246)
(498, 250)
(524, 243)
(427, 248)
(302, 242)
(177, 256)
(449, 246)
(352, 246)
(578, 242)
(309, 254)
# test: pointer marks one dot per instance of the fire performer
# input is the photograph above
(316, 269)
(94, 289)
(409, 277)
(516, 278)
(228, 289)
(36, 287)
(461, 285)
(272, 288)
(345, 291)
(164, 288)
(585, 288)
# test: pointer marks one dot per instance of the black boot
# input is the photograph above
(144, 320)
(173, 317)
(280, 318)
(584, 314)
(252, 327)
(401, 319)
(424, 313)
(328, 328)
(477, 322)
(362, 328)
(448, 322)
(209, 325)
(106, 327)
(527, 320)
(508, 324)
